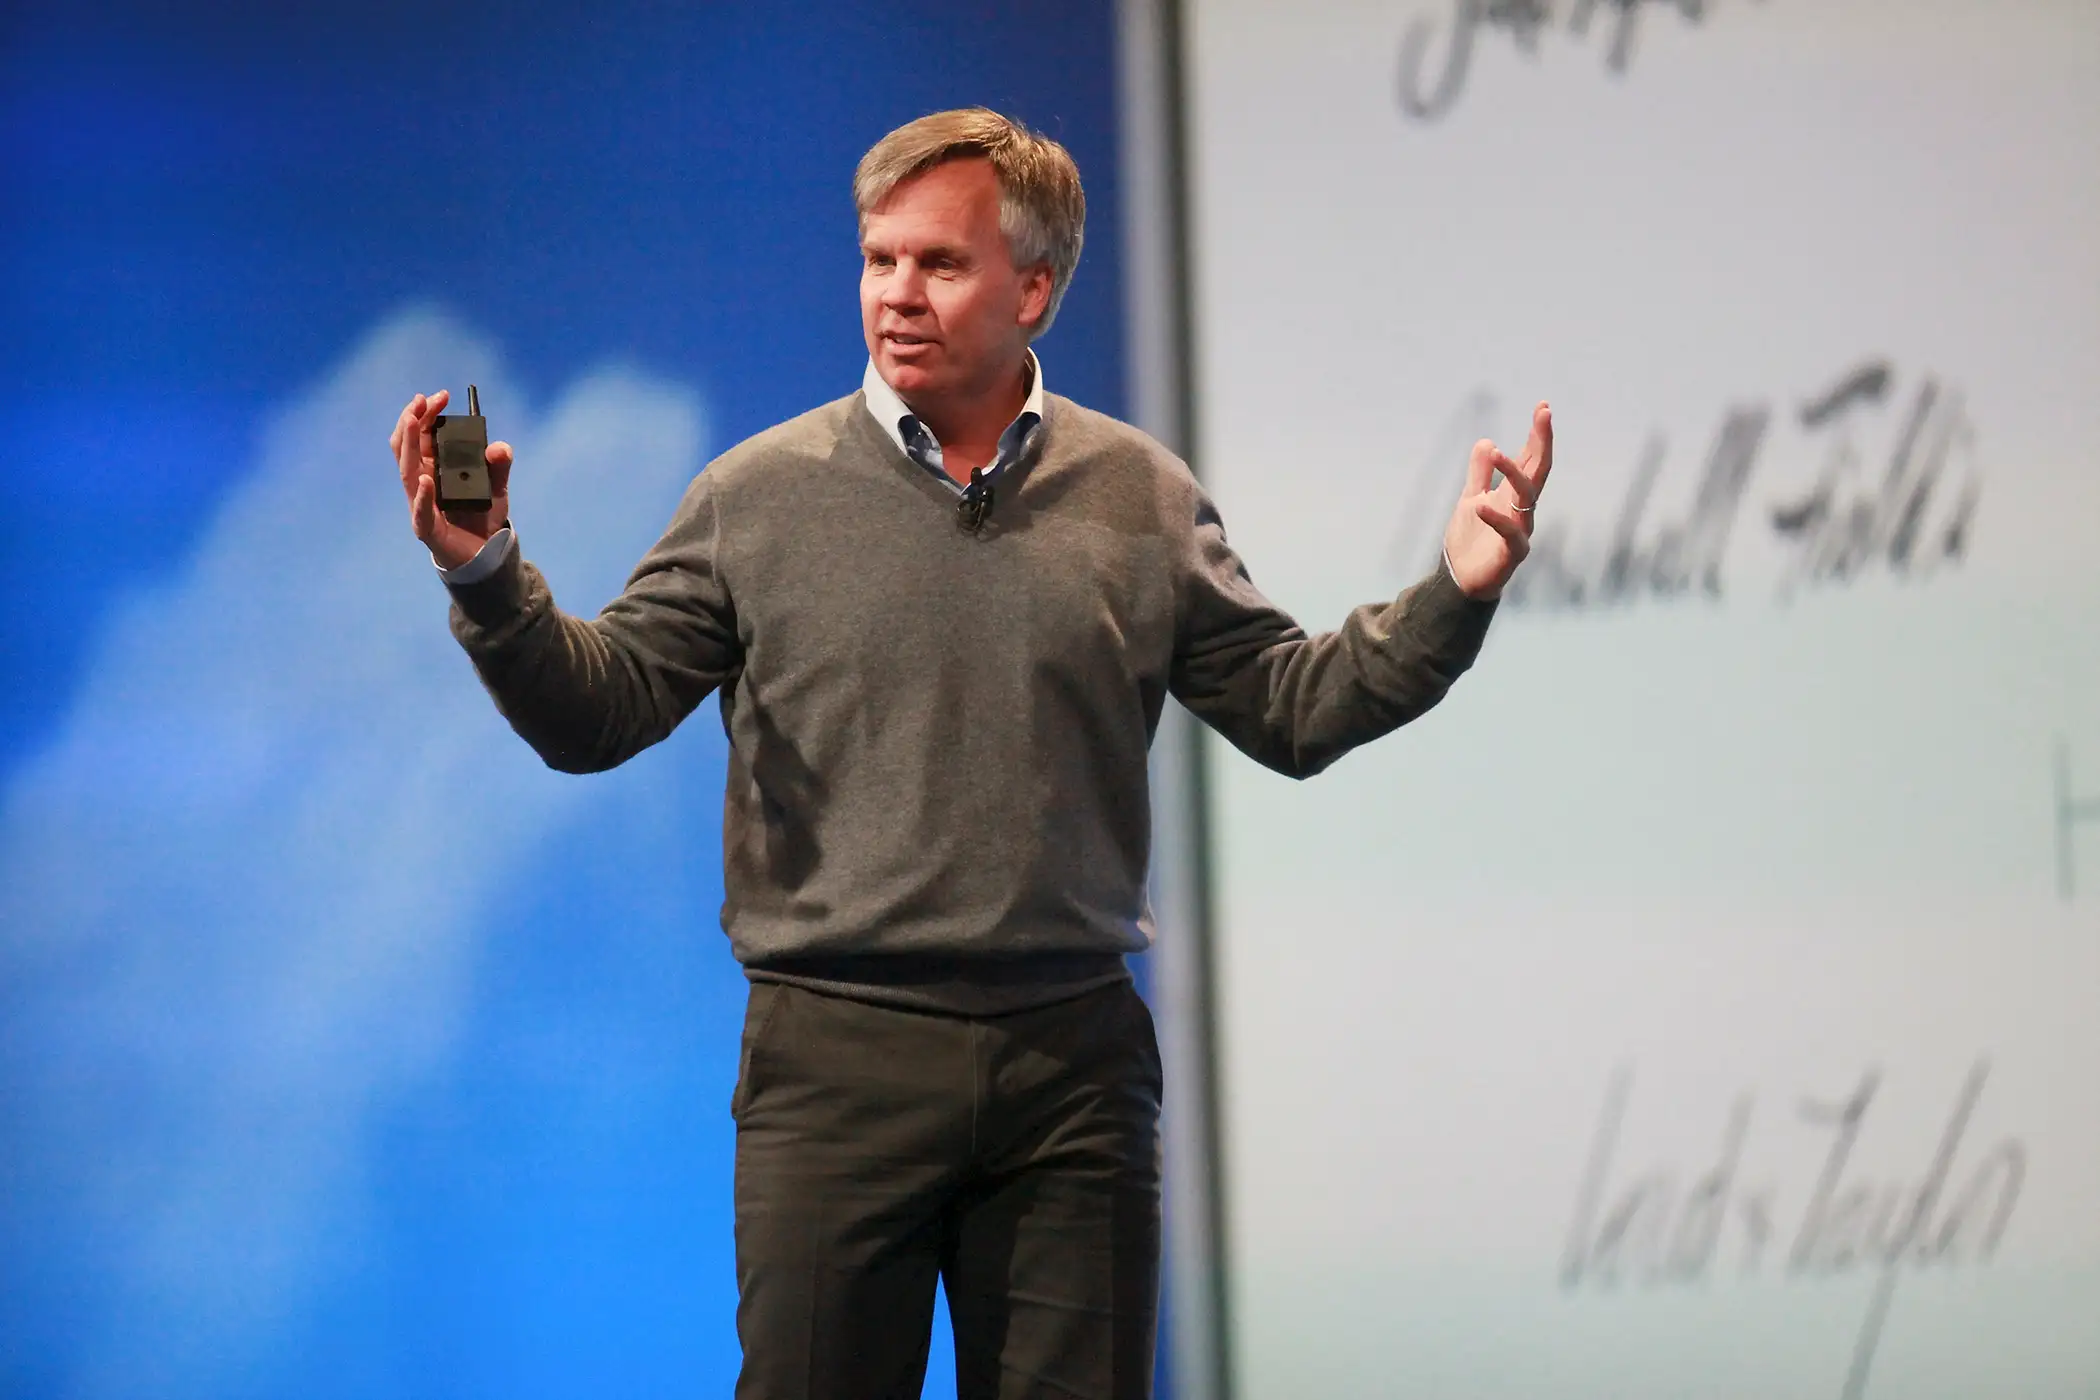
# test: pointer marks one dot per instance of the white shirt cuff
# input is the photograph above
(493, 552)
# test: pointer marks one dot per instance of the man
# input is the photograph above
(943, 614)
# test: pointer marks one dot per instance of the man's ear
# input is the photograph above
(1035, 295)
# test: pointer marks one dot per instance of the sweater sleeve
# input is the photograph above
(1296, 703)
(590, 694)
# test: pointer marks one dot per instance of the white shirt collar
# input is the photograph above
(891, 411)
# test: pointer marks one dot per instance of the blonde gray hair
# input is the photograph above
(1042, 209)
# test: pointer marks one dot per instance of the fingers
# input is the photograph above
(1507, 523)
(1538, 451)
(419, 412)
(422, 512)
(1505, 509)
(411, 439)
(1523, 491)
(426, 430)
(1480, 467)
(499, 458)
(397, 442)
(1527, 478)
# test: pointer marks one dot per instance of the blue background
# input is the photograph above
(202, 217)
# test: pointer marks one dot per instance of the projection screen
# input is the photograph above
(1701, 1002)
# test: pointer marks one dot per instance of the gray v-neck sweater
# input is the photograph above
(937, 789)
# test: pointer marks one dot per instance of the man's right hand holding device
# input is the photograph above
(453, 537)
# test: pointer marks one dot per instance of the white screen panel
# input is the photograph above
(1701, 1002)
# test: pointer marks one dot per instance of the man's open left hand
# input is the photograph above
(1490, 532)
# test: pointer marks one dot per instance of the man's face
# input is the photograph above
(945, 312)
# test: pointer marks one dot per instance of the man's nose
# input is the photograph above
(904, 289)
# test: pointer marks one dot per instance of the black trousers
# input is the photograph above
(1014, 1158)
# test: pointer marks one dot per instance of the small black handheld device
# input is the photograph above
(462, 441)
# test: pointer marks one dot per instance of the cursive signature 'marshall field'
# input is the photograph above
(1895, 491)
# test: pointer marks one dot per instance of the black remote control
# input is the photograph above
(462, 441)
